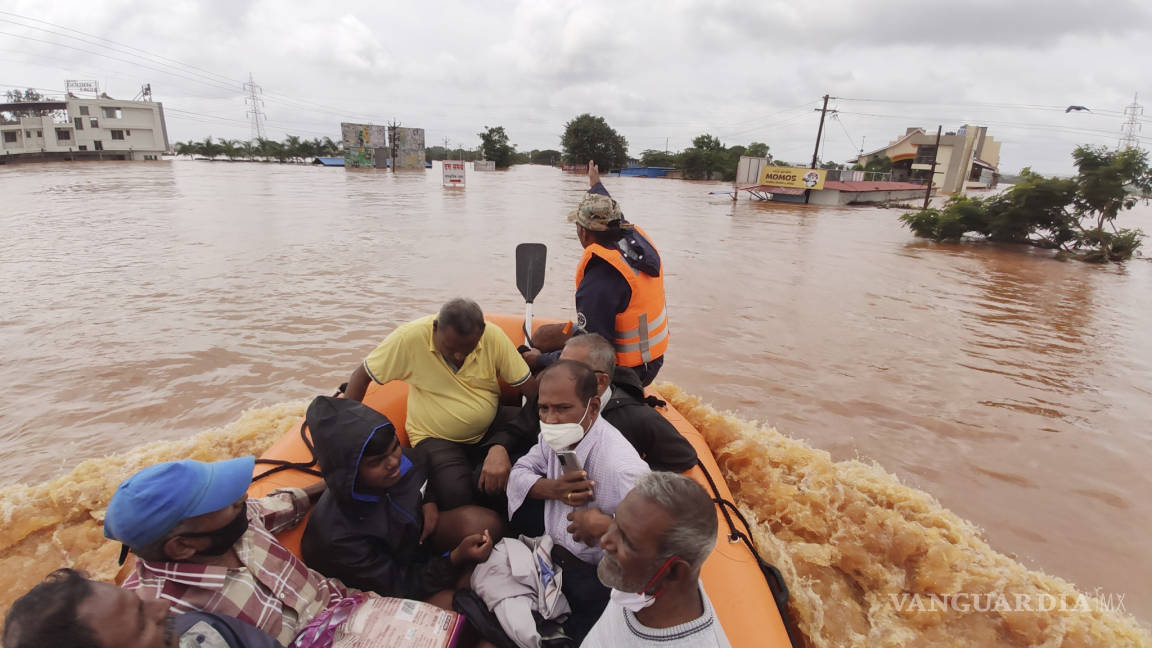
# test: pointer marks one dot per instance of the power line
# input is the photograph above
(1024, 125)
(851, 142)
(199, 75)
(958, 103)
(769, 125)
(108, 40)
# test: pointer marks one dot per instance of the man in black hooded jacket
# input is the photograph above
(374, 527)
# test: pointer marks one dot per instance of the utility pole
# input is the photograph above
(1128, 132)
(816, 151)
(665, 146)
(819, 132)
(255, 104)
(932, 173)
(393, 145)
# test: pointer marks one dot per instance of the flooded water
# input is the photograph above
(149, 302)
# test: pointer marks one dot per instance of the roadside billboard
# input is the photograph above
(453, 173)
(793, 177)
(409, 143)
(361, 141)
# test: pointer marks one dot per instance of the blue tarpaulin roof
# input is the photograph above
(329, 161)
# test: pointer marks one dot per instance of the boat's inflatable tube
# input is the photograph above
(732, 575)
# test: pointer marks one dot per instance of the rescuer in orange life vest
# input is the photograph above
(619, 288)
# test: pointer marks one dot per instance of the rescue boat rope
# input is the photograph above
(771, 574)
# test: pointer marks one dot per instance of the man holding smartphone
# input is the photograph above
(581, 492)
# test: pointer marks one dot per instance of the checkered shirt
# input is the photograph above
(273, 589)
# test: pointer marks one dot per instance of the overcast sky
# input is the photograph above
(657, 71)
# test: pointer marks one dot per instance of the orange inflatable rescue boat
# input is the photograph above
(746, 593)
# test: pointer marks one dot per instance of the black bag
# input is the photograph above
(469, 603)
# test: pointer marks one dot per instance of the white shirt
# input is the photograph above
(607, 457)
(619, 627)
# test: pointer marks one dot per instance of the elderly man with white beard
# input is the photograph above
(662, 533)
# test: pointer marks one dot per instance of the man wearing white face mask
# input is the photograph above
(663, 532)
(578, 505)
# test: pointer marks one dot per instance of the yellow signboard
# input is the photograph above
(793, 177)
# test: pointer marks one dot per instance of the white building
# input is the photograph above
(100, 128)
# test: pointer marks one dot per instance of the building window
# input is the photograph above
(63, 135)
(94, 123)
(27, 133)
(79, 123)
(84, 110)
(10, 136)
(128, 133)
(39, 133)
(99, 145)
(111, 113)
(117, 134)
(83, 147)
(925, 154)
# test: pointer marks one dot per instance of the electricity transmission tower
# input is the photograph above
(255, 105)
(1129, 132)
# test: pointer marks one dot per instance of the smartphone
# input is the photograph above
(568, 461)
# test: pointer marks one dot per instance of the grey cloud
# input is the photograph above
(670, 70)
(845, 25)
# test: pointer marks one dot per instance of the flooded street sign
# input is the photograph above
(453, 173)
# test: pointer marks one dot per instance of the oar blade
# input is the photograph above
(530, 260)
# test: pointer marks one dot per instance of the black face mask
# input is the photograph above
(224, 537)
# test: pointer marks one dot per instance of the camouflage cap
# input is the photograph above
(598, 212)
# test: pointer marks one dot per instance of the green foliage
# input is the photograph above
(781, 163)
(831, 166)
(292, 148)
(588, 137)
(961, 214)
(697, 164)
(1107, 246)
(550, 157)
(1060, 213)
(654, 158)
(707, 142)
(757, 149)
(494, 144)
(707, 158)
(15, 96)
(879, 164)
(1033, 210)
(1104, 179)
(28, 96)
(440, 153)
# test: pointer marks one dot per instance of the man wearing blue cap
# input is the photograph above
(202, 545)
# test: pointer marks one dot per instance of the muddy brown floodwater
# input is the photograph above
(143, 302)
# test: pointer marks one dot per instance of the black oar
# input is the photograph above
(530, 259)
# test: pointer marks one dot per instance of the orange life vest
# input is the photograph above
(642, 329)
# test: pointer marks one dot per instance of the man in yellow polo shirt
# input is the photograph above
(451, 362)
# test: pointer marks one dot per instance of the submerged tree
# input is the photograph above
(588, 137)
(1068, 214)
(494, 144)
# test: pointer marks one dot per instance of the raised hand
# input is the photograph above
(593, 173)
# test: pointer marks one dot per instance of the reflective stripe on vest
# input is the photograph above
(641, 331)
